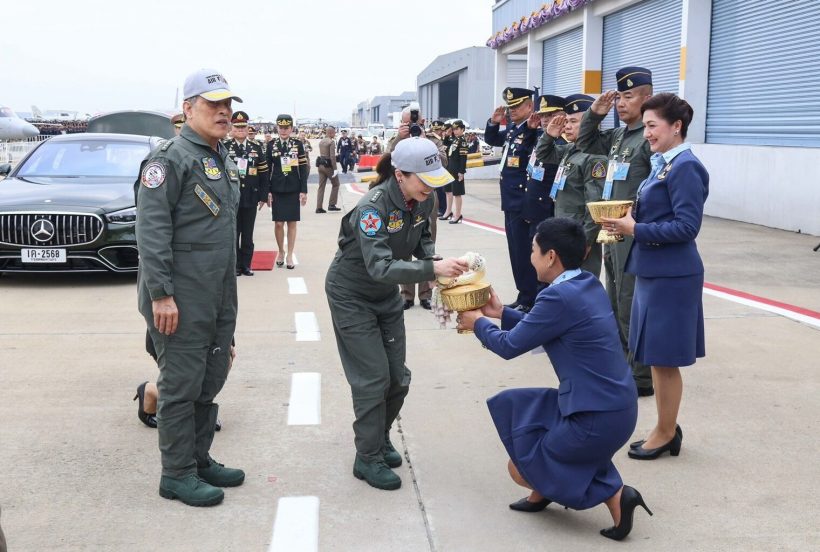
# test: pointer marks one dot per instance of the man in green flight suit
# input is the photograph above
(629, 165)
(580, 176)
(187, 197)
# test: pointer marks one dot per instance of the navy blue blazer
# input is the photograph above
(574, 323)
(668, 215)
(521, 140)
(538, 205)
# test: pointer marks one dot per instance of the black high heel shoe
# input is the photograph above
(524, 505)
(630, 499)
(446, 217)
(148, 419)
(641, 453)
(636, 444)
(456, 221)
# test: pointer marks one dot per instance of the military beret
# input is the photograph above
(284, 120)
(630, 77)
(578, 103)
(239, 119)
(549, 104)
(516, 96)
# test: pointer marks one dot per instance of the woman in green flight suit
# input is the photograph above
(390, 223)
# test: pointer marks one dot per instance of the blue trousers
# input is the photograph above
(519, 244)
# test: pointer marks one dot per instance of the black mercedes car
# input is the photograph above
(68, 206)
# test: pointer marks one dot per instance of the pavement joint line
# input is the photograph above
(305, 404)
(431, 542)
(297, 286)
(307, 326)
(296, 527)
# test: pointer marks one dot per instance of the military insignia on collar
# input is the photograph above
(370, 222)
(665, 171)
(211, 169)
(395, 221)
(153, 175)
(599, 170)
(206, 199)
(419, 220)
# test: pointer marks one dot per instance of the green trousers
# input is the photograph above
(620, 287)
(372, 346)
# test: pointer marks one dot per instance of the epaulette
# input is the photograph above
(166, 145)
(376, 195)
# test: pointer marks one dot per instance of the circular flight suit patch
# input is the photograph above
(153, 175)
(370, 222)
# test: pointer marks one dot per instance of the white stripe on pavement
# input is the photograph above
(296, 528)
(796, 316)
(305, 405)
(307, 327)
(297, 286)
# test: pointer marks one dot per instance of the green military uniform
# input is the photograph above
(366, 307)
(584, 182)
(626, 145)
(187, 197)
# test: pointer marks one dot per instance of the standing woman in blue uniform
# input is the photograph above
(561, 441)
(666, 329)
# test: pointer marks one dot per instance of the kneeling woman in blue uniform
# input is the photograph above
(561, 441)
(390, 223)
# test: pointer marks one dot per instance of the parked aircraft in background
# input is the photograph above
(13, 127)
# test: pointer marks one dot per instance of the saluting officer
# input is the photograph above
(390, 223)
(579, 178)
(518, 140)
(286, 191)
(538, 205)
(187, 196)
(253, 170)
(629, 165)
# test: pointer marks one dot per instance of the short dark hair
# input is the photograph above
(670, 108)
(566, 237)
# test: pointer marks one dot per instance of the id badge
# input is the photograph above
(242, 165)
(513, 162)
(621, 170)
(538, 173)
(559, 173)
(531, 167)
(554, 190)
(562, 181)
(252, 171)
(285, 164)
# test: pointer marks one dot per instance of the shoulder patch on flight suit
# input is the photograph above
(370, 222)
(153, 175)
(211, 169)
(206, 199)
(599, 169)
(395, 221)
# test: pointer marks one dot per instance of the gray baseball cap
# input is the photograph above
(208, 83)
(420, 156)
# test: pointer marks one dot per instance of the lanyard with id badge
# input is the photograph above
(561, 175)
(616, 170)
(535, 171)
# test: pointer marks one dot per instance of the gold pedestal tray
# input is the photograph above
(608, 209)
(466, 297)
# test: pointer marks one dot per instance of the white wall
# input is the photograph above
(771, 186)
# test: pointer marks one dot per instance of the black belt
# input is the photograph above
(198, 246)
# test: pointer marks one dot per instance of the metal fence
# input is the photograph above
(13, 152)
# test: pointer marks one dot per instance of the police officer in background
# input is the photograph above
(518, 141)
(580, 176)
(345, 150)
(538, 205)
(253, 171)
(328, 170)
(629, 153)
(187, 196)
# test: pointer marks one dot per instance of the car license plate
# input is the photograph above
(42, 255)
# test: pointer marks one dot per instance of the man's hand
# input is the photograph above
(166, 315)
(498, 115)
(404, 131)
(556, 125)
(450, 268)
(230, 358)
(534, 121)
(303, 199)
(604, 102)
(334, 174)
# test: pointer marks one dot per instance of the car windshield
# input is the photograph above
(85, 158)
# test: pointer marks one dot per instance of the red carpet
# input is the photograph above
(263, 260)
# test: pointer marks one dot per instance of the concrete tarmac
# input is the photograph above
(78, 471)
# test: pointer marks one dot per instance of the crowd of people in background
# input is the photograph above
(55, 127)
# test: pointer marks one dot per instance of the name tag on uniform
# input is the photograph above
(242, 165)
(513, 162)
(206, 199)
(252, 171)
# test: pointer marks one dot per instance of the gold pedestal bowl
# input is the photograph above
(608, 209)
(465, 298)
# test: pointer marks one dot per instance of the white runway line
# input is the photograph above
(297, 286)
(307, 327)
(353, 190)
(482, 227)
(296, 528)
(305, 405)
(796, 316)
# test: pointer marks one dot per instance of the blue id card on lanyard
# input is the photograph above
(558, 183)
(538, 173)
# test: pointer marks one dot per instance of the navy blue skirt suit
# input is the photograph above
(666, 327)
(562, 440)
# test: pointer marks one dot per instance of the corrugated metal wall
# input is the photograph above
(563, 63)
